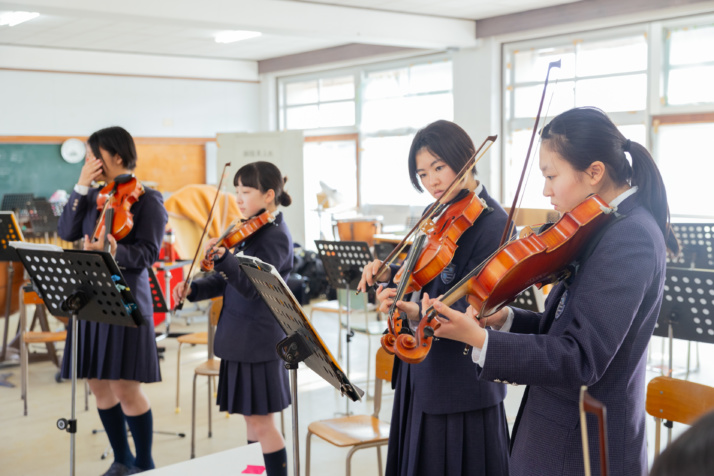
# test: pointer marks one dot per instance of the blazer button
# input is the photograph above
(497, 380)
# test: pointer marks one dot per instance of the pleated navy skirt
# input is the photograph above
(258, 388)
(110, 352)
(473, 443)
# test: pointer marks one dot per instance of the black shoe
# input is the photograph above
(118, 469)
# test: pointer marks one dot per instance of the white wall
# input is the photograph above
(39, 103)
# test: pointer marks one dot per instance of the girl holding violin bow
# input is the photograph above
(597, 323)
(117, 359)
(253, 381)
(445, 421)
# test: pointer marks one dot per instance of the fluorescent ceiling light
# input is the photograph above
(15, 18)
(231, 36)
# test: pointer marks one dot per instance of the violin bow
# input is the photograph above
(209, 220)
(504, 237)
(487, 143)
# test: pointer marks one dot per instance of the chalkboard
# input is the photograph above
(35, 168)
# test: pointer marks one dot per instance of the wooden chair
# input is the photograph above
(369, 327)
(210, 368)
(672, 399)
(28, 337)
(194, 338)
(358, 431)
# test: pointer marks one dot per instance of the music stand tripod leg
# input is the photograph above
(293, 350)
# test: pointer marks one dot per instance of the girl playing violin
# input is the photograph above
(444, 420)
(252, 381)
(596, 324)
(116, 359)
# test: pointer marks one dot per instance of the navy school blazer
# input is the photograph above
(445, 381)
(247, 331)
(593, 332)
(136, 251)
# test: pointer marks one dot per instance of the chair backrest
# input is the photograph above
(357, 303)
(214, 313)
(384, 363)
(678, 400)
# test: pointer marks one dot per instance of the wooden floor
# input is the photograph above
(32, 445)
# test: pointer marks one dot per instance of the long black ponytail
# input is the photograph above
(584, 135)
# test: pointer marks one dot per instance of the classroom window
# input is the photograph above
(686, 176)
(384, 106)
(689, 65)
(318, 103)
(397, 102)
(606, 72)
(330, 160)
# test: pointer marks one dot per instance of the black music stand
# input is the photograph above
(697, 242)
(687, 309)
(302, 344)
(42, 219)
(531, 299)
(158, 301)
(343, 262)
(83, 285)
(9, 231)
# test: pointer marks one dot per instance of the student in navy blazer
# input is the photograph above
(444, 420)
(117, 359)
(253, 381)
(596, 325)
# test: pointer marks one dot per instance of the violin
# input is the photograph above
(115, 200)
(538, 258)
(503, 276)
(397, 323)
(236, 233)
(441, 240)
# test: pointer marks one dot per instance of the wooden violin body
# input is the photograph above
(538, 258)
(441, 240)
(236, 234)
(115, 200)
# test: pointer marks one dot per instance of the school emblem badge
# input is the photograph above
(448, 274)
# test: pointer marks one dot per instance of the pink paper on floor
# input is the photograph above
(251, 469)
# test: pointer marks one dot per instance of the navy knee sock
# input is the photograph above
(142, 430)
(276, 464)
(115, 426)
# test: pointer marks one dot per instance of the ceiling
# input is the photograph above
(185, 28)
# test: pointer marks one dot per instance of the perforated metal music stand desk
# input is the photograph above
(531, 299)
(687, 309)
(83, 285)
(343, 262)
(158, 300)
(9, 231)
(14, 202)
(302, 344)
(697, 242)
(42, 219)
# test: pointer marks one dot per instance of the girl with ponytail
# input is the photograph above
(252, 381)
(597, 323)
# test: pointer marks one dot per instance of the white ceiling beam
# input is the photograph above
(24, 58)
(280, 17)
